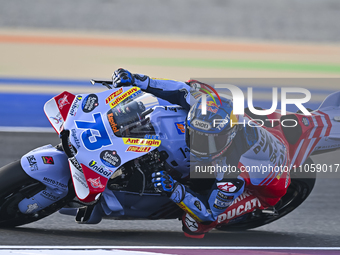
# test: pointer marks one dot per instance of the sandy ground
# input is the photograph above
(47, 54)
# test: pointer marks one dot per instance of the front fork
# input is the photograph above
(49, 166)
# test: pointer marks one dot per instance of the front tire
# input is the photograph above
(15, 185)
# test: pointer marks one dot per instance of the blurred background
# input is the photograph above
(48, 46)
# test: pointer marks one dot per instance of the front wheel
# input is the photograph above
(15, 185)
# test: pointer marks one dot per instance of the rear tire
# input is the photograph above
(16, 185)
(301, 186)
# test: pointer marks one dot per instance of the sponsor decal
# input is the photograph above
(62, 102)
(95, 183)
(90, 103)
(75, 138)
(191, 223)
(113, 95)
(151, 137)
(75, 106)
(138, 149)
(50, 195)
(99, 169)
(242, 204)
(243, 208)
(95, 135)
(222, 201)
(57, 119)
(212, 104)
(196, 94)
(32, 162)
(226, 186)
(211, 107)
(54, 182)
(138, 141)
(135, 94)
(198, 205)
(219, 204)
(76, 164)
(222, 123)
(201, 124)
(110, 158)
(48, 160)
(305, 121)
(77, 177)
(112, 122)
(223, 196)
(180, 127)
(221, 217)
(31, 208)
(124, 96)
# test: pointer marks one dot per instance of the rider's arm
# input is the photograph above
(175, 92)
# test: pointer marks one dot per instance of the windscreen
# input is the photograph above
(128, 118)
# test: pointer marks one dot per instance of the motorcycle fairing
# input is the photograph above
(316, 133)
(311, 129)
(49, 166)
(330, 110)
(313, 134)
(64, 101)
(168, 123)
(57, 109)
(87, 183)
(99, 151)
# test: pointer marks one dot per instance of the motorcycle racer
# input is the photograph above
(226, 146)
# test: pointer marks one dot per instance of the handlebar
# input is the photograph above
(104, 83)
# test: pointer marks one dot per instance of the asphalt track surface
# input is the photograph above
(314, 224)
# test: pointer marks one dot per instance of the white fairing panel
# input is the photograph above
(53, 114)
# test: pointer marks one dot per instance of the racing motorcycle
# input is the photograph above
(112, 142)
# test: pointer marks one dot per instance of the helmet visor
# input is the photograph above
(205, 145)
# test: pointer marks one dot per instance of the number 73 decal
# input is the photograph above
(95, 136)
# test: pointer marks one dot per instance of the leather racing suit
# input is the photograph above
(251, 158)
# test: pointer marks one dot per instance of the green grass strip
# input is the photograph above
(226, 64)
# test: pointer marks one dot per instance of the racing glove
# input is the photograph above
(122, 77)
(163, 182)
